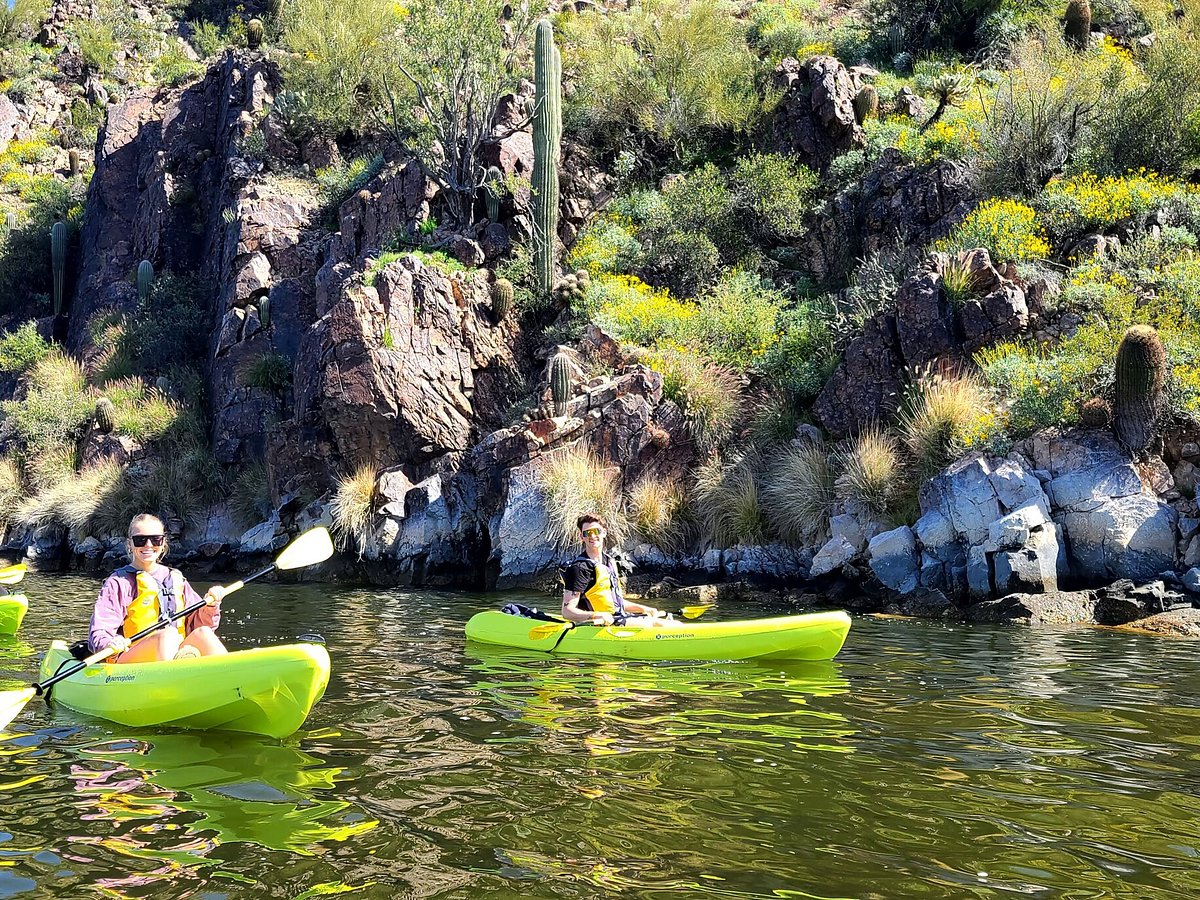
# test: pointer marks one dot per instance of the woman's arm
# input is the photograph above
(209, 615)
(108, 615)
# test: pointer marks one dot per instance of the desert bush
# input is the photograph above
(655, 512)
(353, 507)
(947, 415)
(339, 182)
(670, 71)
(207, 39)
(778, 28)
(574, 482)
(685, 263)
(638, 313)
(738, 319)
(250, 500)
(19, 21)
(775, 191)
(728, 500)
(97, 44)
(340, 58)
(708, 395)
(270, 372)
(73, 500)
(23, 348)
(803, 358)
(799, 492)
(1071, 207)
(161, 334)
(871, 471)
(173, 67)
(606, 245)
(1007, 229)
(56, 405)
(141, 412)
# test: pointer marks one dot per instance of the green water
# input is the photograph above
(927, 761)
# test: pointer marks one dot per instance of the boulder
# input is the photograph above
(815, 115)
(1128, 537)
(835, 553)
(892, 556)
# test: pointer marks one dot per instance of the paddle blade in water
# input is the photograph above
(12, 574)
(11, 704)
(312, 547)
(695, 612)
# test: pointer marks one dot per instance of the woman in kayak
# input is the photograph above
(592, 587)
(139, 594)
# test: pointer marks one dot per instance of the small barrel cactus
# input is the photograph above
(502, 298)
(1095, 413)
(73, 162)
(145, 280)
(1077, 23)
(254, 33)
(560, 383)
(264, 312)
(1141, 375)
(492, 191)
(866, 103)
(572, 287)
(58, 262)
(106, 415)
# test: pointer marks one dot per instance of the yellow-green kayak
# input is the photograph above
(811, 636)
(12, 611)
(266, 690)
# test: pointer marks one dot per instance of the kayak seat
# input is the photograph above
(528, 612)
(80, 650)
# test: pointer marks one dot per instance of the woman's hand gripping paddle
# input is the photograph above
(312, 547)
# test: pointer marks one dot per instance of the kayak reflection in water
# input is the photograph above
(592, 586)
(136, 596)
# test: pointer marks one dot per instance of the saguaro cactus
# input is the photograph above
(58, 262)
(145, 280)
(254, 33)
(560, 383)
(10, 225)
(1077, 23)
(105, 415)
(1141, 374)
(264, 312)
(547, 137)
(491, 192)
(502, 298)
(73, 162)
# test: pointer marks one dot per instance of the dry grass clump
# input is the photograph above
(574, 482)
(250, 500)
(728, 499)
(75, 500)
(947, 412)
(10, 487)
(799, 492)
(353, 506)
(872, 472)
(709, 395)
(656, 512)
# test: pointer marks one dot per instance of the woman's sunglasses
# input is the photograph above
(141, 540)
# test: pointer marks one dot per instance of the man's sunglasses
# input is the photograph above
(591, 532)
(141, 540)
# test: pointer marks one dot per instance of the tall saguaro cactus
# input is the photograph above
(547, 140)
(1141, 375)
(145, 280)
(560, 382)
(58, 262)
(1077, 23)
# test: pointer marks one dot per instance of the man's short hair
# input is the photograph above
(591, 517)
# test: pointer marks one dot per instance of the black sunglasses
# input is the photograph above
(154, 540)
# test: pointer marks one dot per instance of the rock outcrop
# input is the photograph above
(815, 118)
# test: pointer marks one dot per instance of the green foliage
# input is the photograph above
(168, 330)
(775, 191)
(684, 262)
(207, 39)
(56, 405)
(339, 182)
(728, 496)
(778, 28)
(270, 372)
(708, 395)
(656, 512)
(22, 349)
(250, 499)
(871, 471)
(738, 319)
(173, 67)
(606, 245)
(1007, 229)
(140, 412)
(97, 44)
(10, 488)
(946, 416)
(670, 71)
(803, 357)
(20, 22)
(340, 58)
(25, 264)
(799, 492)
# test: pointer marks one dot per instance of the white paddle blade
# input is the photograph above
(312, 547)
(11, 704)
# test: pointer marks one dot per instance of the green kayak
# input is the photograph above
(12, 611)
(812, 636)
(265, 690)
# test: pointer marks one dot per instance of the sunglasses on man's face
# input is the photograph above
(141, 540)
(591, 532)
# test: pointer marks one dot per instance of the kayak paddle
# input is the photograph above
(12, 574)
(552, 628)
(312, 547)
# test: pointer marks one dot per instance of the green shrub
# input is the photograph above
(738, 320)
(11, 491)
(25, 275)
(872, 473)
(683, 262)
(97, 44)
(339, 182)
(638, 313)
(656, 508)
(803, 357)
(776, 191)
(173, 67)
(799, 492)
(778, 28)
(142, 413)
(728, 498)
(1072, 207)
(946, 416)
(574, 482)
(21, 21)
(606, 245)
(340, 57)
(56, 405)
(250, 499)
(22, 349)
(207, 39)
(1007, 229)
(708, 395)
(270, 372)
(670, 70)
(165, 332)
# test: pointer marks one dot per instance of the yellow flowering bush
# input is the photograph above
(606, 245)
(1070, 207)
(639, 313)
(1008, 229)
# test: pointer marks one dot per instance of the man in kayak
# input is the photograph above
(139, 594)
(592, 587)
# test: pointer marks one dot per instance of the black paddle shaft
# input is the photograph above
(174, 617)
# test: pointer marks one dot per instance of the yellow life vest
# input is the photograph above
(601, 596)
(146, 608)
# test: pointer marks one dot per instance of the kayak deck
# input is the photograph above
(264, 690)
(12, 611)
(813, 636)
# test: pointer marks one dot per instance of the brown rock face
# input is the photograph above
(394, 371)
(815, 118)
(867, 384)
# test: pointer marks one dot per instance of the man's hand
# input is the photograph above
(603, 618)
(214, 595)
